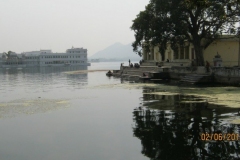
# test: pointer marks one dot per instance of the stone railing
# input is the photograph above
(226, 71)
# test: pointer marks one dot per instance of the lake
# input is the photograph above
(57, 113)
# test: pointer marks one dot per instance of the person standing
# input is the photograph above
(129, 62)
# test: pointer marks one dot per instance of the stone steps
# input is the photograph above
(196, 78)
(148, 64)
(137, 72)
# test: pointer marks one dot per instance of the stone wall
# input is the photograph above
(177, 73)
(127, 69)
(221, 75)
(226, 75)
(226, 71)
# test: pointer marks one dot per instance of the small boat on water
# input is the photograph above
(109, 73)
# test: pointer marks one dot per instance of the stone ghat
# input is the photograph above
(216, 75)
(132, 71)
(226, 75)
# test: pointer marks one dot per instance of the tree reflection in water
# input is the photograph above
(169, 129)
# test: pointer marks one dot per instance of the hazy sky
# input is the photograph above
(27, 25)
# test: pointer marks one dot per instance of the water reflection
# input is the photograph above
(170, 126)
(41, 74)
(41, 69)
(37, 82)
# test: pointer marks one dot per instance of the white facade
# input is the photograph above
(73, 56)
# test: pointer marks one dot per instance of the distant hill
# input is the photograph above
(116, 52)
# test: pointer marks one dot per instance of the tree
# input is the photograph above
(176, 135)
(8, 53)
(175, 21)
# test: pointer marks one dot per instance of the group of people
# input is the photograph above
(136, 65)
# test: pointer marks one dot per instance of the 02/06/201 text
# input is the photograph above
(220, 136)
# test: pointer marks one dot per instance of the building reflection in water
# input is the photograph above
(74, 75)
(170, 129)
(41, 69)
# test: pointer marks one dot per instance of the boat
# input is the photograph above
(109, 73)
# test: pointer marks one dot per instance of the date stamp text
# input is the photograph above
(219, 136)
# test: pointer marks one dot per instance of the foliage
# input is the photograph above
(8, 53)
(176, 21)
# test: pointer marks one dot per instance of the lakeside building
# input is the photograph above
(227, 47)
(73, 56)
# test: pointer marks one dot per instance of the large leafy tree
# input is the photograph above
(174, 21)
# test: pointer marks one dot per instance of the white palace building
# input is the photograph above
(72, 57)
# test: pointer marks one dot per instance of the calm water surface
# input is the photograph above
(79, 113)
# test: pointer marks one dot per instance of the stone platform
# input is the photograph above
(216, 75)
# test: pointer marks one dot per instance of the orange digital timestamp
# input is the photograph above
(219, 136)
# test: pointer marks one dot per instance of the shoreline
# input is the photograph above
(220, 76)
